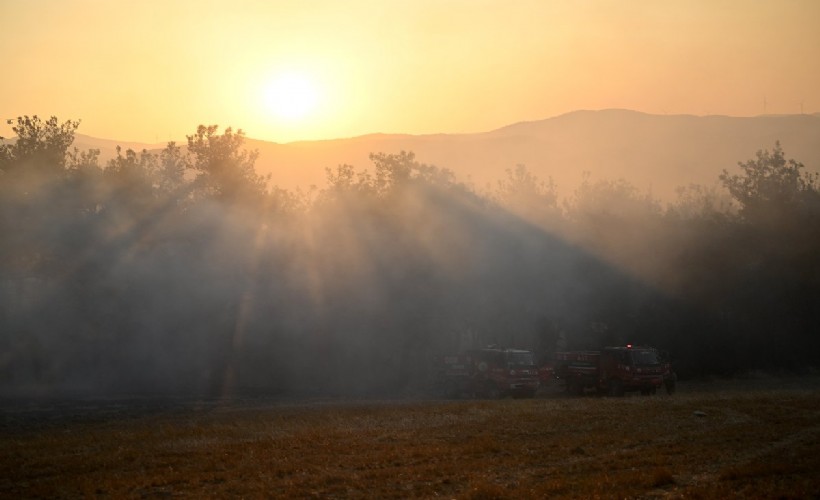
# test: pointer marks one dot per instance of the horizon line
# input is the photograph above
(156, 144)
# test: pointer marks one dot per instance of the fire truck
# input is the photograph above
(615, 370)
(489, 373)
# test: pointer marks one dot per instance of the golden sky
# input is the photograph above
(152, 70)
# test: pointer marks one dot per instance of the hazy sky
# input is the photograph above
(152, 70)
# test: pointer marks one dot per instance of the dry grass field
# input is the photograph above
(757, 439)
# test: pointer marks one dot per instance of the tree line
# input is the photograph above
(184, 270)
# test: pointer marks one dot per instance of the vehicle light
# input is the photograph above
(629, 346)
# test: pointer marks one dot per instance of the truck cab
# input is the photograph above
(491, 373)
(615, 370)
(630, 368)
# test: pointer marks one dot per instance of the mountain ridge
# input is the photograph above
(653, 152)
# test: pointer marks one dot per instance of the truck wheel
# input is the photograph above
(616, 388)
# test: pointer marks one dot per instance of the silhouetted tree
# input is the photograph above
(395, 171)
(139, 277)
(136, 170)
(40, 145)
(523, 193)
(85, 180)
(224, 169)
(606, 201)
(171, 170)
(771, 187)
(346, 185)
(38, 201)
(699, 202)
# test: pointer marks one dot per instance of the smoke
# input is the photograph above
(108, 288)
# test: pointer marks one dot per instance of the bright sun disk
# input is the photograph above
(291, 97)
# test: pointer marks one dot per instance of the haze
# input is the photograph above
(151, 71)
(416, 178)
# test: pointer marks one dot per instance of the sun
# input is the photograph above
(291, 97)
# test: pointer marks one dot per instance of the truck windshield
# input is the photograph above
(520, 359)
(647, 357)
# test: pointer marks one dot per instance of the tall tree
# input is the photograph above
(38, 200)
(523, 193)
(40, 145)
(770, 187)
(224, 169)
(394, 171)
(171, 171)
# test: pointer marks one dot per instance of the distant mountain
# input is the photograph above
(108, 147)
(653, 152)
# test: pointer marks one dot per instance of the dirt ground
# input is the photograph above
(754, 438)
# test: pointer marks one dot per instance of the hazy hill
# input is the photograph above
(657, 152)
(108, 147)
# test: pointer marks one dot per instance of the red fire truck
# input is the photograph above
(615, 370)
(489, 373)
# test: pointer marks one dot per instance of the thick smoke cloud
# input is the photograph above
(131, 279)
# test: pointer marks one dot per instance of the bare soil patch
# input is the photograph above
(756, 438)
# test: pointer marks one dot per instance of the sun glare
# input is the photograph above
(291, 97)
